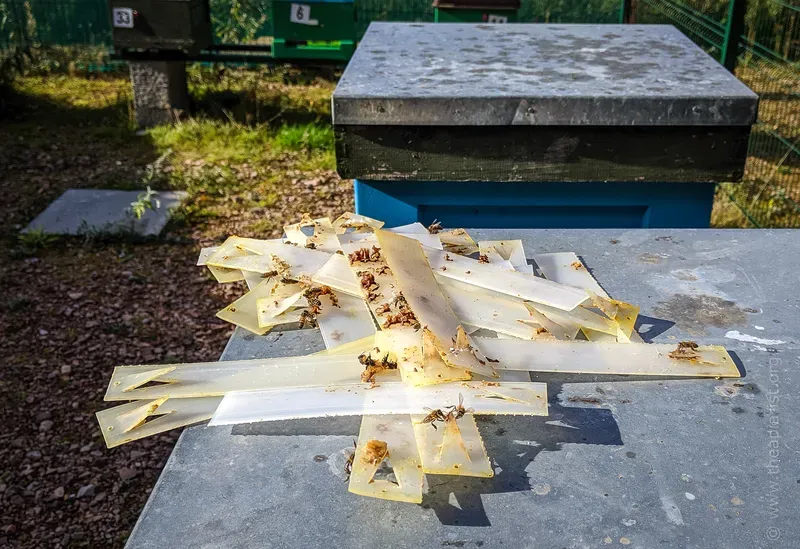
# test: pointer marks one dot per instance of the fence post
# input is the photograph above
(733, 32)
(625, 9)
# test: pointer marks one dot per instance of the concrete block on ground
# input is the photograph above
(160, 92)
(78, 211)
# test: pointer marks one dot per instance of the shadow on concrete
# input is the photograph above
(513, 444)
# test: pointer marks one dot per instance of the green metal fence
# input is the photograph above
(767, 59)
(764, 48)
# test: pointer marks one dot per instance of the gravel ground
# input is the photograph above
(73, 311)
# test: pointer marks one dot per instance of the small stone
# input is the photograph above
(99, 497)
(75, 295)
(127, 473)
(34, 454)
(43, 332)
(624, 541)
(136, 454)
(86, 491)
(736, 500)
(58, 493)
(66, 369)
(686, 478)
(46, 425)
(87, 447)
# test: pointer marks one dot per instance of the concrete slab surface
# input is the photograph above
(619, 462)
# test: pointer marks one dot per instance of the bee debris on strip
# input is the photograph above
(348, 465)
(435, 227)
(405, 317)
(383, 309)
(313, 297)
(365, 255)
(577, 265)
(308, 318)
(434, 416)
(311, 246)
(375, 366)
(447, 257)
(281, 267)
(375, 452)
(687, 350)
(483, 258)
(458, 411)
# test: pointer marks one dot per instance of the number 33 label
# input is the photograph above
(301, 13)
(123, 18)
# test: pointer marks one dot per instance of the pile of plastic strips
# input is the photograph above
(424, 328)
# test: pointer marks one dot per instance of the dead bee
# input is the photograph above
(364, 255)
(348, 465)
(404, 318)
(399, 301)
(314, 303)
(458, 411)
(442, 268)
(433, 417)
(368, 281)
(311, 246)
(686, 350)
(374, 367)
(384, 270)
(435, 227)
(375, 452)
(483, 258)
(308, 318)
(383, 309)
(491, 360)
(577, 265)
(447, 257)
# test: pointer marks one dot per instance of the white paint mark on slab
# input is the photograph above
(689, 496)
(734, 334)
(758, 327)
(628, 522)
(527, 443)
(672, 511)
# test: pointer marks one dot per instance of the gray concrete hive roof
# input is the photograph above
(535, 74)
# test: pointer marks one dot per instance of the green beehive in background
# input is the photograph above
(476, 11)
(314, 29)
(166, 25)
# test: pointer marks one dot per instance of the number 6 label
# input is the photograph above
(123, 18)
(301, 14)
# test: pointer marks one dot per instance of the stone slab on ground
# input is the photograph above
(80, 210)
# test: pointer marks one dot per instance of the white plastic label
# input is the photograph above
(123, 18)
(496, 19)
(301, 14)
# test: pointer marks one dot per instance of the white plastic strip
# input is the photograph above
(350, 321)
(403, 458)
(453, 448)
(337, 274)
(511, 283)
(567, 268)
(512, 250)
(411, 228)
(217, 378)
(129, 422)
(585, 357)
(480, 308)
(384, 398)
(419, 287)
